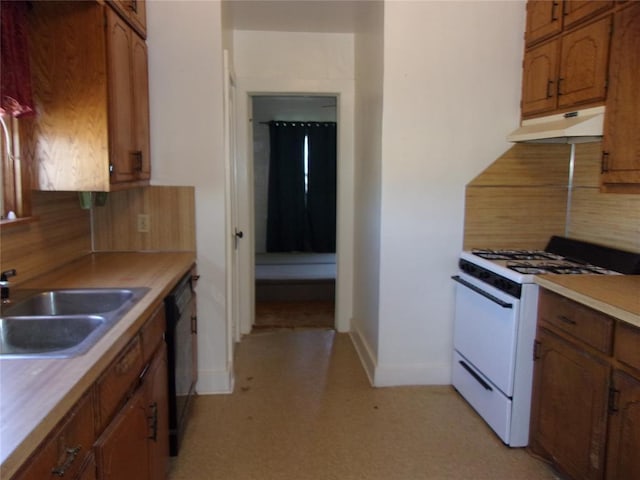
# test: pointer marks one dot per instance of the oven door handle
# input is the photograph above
(494, 299)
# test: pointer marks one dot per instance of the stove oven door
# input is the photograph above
(486, 329)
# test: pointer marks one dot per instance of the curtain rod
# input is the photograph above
(297, 121)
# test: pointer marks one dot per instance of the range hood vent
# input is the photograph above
(573, 127)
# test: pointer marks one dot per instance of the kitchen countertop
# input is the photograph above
(614, 295)
(35, 394)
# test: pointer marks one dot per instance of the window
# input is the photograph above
(15, 102)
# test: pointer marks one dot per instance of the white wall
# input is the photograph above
(298, 63)
(451, 94)
(185, 89)
(369, 66)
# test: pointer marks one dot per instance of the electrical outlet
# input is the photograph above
(143, 222)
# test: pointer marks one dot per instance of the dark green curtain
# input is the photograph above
(321, 194)
(286, 213)
(298, 220)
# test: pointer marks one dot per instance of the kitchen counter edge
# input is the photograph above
(614, 295)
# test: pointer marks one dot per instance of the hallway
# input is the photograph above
(303, 409)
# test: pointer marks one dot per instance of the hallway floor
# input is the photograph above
(303, 408)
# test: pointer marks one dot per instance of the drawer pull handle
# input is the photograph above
(567, 320)
(72, 453)
(153, 419)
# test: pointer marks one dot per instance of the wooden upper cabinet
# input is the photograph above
(539, 81)
(583, 64)
(90, 88)
(576, 11)
(135, 12)
(621, 140)
(567, 72)
(544, 19)
(128, 102)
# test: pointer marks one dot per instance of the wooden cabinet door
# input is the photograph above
(576, 11)
(583, 64)
(140, 120)
(158, 404)
(621, 140)
(544, 19)
(569, 407)
(623, 461)
(539, 78)
(64, 453)
(119, 38)
(122, 450)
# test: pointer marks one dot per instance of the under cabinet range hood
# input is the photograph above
(580, 126)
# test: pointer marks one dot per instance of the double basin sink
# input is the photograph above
(62, 323)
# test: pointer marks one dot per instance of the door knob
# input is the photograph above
(239, 233)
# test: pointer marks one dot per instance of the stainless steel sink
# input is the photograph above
(73, 302)
(57, 336)
(62, 323)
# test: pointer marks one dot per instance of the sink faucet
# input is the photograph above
(4, 284)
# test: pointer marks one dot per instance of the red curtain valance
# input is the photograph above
(15, 76)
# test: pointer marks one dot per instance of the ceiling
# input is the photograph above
(321, 16)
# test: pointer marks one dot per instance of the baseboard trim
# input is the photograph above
(213, 382)
(364, 352)
(421, 374)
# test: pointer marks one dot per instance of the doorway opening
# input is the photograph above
(295, 184)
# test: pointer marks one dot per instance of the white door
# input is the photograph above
(234, 231)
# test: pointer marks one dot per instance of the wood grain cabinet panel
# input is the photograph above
(584, 62)
(576, 11)
(158, 402)
(539, 80)
(67, 449)
(585, 402)
(621, 140)
(568, 411)
(120, 378)
(544, 19)
(90, 86)
(583, 323)
(122, 450)
(135, 12)
(623, 461)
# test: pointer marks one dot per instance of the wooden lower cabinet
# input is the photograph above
(623, 459)
(569, 414)
(64, 453)
(135, 444)
(585, 405)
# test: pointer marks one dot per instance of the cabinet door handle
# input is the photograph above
(554, 17)
(137, 155)
(153, 419)
(194, 324)
(604, 163)
(560, 80)
(71, 454)
(549, 88)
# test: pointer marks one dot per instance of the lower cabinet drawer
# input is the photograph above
(63, 454)
(118, 380)
(581, 322)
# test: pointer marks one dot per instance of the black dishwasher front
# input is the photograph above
(180, 306)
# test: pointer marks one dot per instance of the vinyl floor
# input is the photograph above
(302, 408)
